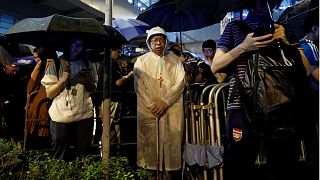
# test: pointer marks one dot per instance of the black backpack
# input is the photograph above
(275, 91)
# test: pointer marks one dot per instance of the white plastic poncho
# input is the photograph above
(159, 77)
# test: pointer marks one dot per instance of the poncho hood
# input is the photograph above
(156, 31)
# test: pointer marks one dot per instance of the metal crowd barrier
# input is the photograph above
(204, 123)
(205, 119)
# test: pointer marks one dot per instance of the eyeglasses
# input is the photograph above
(155, 40)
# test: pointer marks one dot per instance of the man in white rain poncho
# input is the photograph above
(159, 85)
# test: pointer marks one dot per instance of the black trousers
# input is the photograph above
(243, 146)
(79, 134)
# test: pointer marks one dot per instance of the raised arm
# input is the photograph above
(223, 59)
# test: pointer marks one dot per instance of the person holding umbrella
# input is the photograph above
(159, 83)
(71, 111)
(236, 44)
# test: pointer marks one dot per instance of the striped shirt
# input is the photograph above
(233, 35)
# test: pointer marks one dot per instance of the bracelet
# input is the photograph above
(126, 77)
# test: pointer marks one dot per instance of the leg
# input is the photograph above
(242, 147)
(311, 166)
(60, 139)
(83, 136)
(282, 158)
(171, 175)
(98, 131)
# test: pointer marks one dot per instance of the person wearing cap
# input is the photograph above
(159, 84)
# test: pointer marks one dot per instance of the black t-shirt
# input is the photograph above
(206, 74)
(119, 93)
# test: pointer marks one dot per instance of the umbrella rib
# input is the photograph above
(292, 17)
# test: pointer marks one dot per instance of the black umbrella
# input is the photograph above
(10, 50)
(139, 40)
(293, 17)
(116, 39)
(211, 6)
(5, 56)
(56, 30)
(165, 14)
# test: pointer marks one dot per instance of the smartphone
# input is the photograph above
(263, 30)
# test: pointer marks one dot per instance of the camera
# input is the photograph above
(264, 30)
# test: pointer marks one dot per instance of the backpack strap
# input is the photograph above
(246, 28)
(57, 65)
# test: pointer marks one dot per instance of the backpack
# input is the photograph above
(35, 103)
(274, 91)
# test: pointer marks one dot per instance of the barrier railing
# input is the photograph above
(204, 107)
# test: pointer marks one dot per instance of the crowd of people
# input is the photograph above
(64, 98)
(12, 100)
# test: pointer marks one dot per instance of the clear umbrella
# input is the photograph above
(130, 28)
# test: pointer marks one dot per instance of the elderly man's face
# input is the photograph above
(157, 44)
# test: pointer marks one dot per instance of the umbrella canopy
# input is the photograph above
(5, 57)
(26, 60)
(165, 14)
(211, 6)
(130, 28)
(293, 17)
(55, 30)
(139, 40)
(9, 50)
(116, 39)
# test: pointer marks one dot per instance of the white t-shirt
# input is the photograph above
(74, 104)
